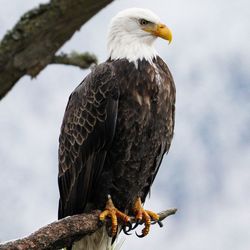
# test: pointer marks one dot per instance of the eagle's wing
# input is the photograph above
(166, 141)
(87, 132)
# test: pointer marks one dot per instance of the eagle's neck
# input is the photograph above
(133, 48)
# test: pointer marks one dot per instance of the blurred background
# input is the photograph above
(206, 174)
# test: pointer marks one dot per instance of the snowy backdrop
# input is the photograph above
(206, 174)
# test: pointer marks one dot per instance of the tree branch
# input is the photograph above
(84, 60)
(31, 45)
(63, 232)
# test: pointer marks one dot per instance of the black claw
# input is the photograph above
(136, 224)
(113, 239)
(129, 226)
(139, 235)
(126, 231)
(160, 223)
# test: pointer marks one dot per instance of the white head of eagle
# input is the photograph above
(132, 33)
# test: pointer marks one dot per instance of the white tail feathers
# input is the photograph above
(99, 240)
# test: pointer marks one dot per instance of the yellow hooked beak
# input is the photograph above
(160, 30)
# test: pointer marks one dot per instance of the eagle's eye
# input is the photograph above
(143, 22)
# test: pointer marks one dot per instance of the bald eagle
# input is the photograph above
(117, 126)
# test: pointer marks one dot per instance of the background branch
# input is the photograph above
(31, 45)
(84, 60)
(61, 233)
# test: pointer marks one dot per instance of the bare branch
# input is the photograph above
(63, 232)
(84, 60)
(57, 234)
(164, 214)
(31, 45)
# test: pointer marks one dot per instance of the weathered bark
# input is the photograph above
(62, 233)
(84, 60)
(57, 234)
(31, 45)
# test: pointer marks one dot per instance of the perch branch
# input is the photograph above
(63, 232)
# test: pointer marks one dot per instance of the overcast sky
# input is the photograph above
(206, 174)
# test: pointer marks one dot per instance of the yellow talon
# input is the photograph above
(103, 215)
(153, 215)
(112, 212)
(144, 215)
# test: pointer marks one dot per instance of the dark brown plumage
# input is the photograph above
(117, 126)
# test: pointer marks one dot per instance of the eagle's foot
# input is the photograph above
(112, 212)
(144, 216)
